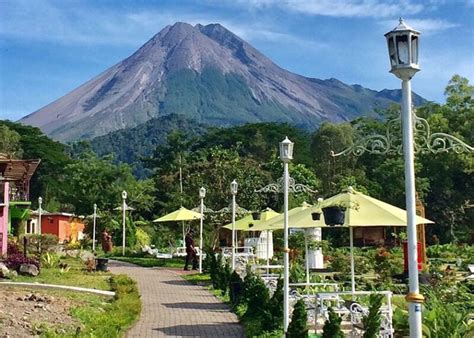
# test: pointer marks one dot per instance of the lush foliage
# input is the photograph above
(213, 158)
(298, 326)
(332, 326)
(15, 257)
(373, 319)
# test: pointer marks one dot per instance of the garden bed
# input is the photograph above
(70, 313)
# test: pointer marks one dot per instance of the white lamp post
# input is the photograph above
(40, 211)
(93, 227)
(202, 194)
(286, 155)
(124, 208)
(403, 52)
(233, 191)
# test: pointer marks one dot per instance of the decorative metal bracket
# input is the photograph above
(293, 187)
(391, 143)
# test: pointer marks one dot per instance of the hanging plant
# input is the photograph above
(334, 215)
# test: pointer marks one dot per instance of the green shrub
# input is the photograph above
(50, 260)
(213, 269)
(255, 295)
(39, 244)
(111, 319)
(142, 238)
(373, 319)
(443, 319)
(332, 326)
(297, 273)
(226, 273)
(298, 327)
(235, 288)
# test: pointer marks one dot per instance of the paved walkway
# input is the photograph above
(174, 307)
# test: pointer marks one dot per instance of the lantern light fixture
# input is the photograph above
(286, 150)
(233, 187)
(403, 50)
(202, 192)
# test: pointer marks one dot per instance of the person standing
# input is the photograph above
(191, 252)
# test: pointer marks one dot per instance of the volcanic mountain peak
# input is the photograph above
(206, 73)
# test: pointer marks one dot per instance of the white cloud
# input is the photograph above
(425, 26)
(72, 25)
(340, 8)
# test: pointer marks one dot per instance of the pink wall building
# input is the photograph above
(4, 194)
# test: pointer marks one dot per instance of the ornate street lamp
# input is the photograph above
(202, 194)
(403, 53)
(40, 211)
(124, 208)
(417, 138)
(233, 191)
(286, 155)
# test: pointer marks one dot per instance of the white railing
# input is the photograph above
(181, 252)
(239, 251)
(353, 311)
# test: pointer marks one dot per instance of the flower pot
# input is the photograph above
(102, 264)
(256, 216)
(316, 216)
(334, 215)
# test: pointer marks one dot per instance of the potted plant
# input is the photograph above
(101, 264)
(334, 215)
(256, 215)
(316, 216)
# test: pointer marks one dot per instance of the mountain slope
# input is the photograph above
(206, 73)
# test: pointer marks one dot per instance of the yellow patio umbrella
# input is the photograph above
(365, 211)
(296, 219)
(360, 211)
(182, 214)
(247, 223)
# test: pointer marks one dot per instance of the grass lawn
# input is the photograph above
(99, 316)
(93, 280)
(203, 279)
(149, 262)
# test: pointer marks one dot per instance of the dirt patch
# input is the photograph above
(26, 313)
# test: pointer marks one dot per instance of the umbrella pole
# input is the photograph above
(306, 259)
(268, 252)
(351, 239)
(184, 235)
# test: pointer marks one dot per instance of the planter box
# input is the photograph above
(101, 264)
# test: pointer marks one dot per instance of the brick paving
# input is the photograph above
(173, 307)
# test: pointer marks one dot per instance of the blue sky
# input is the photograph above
(48, 48)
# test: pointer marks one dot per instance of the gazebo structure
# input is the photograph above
(15, 176)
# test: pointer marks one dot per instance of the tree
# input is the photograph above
(90, 180)
(450, 174)
(10, 142)
(47, 180)
(332, 137)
